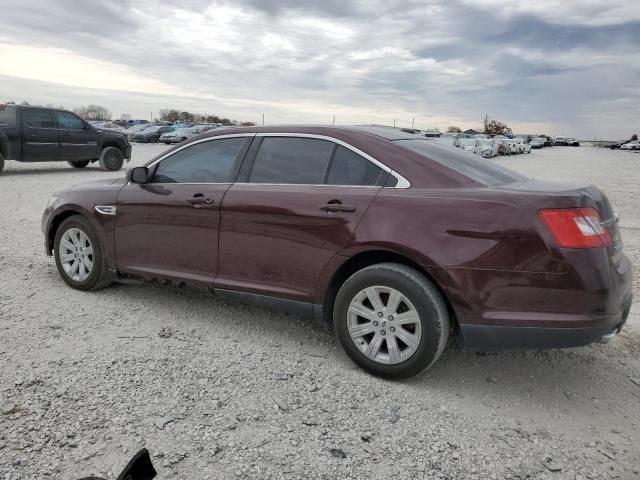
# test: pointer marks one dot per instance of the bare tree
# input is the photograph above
(93, 112)
(494, 127)
(454, 129)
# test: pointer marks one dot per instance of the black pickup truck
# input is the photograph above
(38, 134)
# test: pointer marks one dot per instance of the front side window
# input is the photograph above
(68, 121)
(289, 160)
(349, 168)
(205, 162)
(37, 118)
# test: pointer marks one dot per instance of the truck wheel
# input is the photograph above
(111, 159)
(78, 163)
(1, 163)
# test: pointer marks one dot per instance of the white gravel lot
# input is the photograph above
(218, 390)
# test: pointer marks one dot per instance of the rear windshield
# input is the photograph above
(471, 166)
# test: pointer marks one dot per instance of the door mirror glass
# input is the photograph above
(138, 175)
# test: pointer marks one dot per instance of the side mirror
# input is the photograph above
(138, 175)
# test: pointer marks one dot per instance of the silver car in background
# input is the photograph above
(523, 146)
(489, 147)
(180, 135)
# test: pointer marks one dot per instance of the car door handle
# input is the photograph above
(199, 202)
(337, 207)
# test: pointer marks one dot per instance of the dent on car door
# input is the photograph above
(168, 227)
(296, 204)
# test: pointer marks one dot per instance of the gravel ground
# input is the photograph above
(218, 390)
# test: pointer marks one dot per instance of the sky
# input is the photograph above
(553, 66)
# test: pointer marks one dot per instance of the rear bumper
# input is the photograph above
(499, 337)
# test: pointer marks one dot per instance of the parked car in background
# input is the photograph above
(411, 242)
(138, 122)
(151, 134)
(135, 129)
(572, 142)
(634, 145)
(513, 146)
(503, 147)
(560, 141)
(38, 134)
(472, 145)
(489, 147)
(179, 135)
(536, 142)
(523, 146)
(110, 126)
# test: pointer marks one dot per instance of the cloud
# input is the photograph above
(547, 64)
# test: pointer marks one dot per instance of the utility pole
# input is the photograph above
(412, 122)
(334, 120)
(151, 116)
(394, 123)
(263, 119)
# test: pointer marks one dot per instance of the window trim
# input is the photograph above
(21, 122)
(402, 181)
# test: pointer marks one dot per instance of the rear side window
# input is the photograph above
(7, 117)
(68, 121)
(289, 160)
(469, 165)
(349, 168)
(204, 162)
(36, 118)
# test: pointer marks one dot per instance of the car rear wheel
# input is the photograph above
(154, 139)
(111, 159)
(79, 255)
(391, 320)
(78, 163)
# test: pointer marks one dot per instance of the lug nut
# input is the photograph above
(375, 324)
(392, 329)
(382, 332)
(380, 314)
(390, 318)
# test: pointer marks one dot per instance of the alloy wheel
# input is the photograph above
(384, 325)
(76, 254)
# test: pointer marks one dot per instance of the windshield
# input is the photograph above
(471, 166)
(467, 142)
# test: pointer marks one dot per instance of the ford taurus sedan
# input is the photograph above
(399, 241)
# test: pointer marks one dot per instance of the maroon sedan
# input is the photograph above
(397, 240)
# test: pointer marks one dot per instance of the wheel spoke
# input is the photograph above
(374, 298)
(362, 311)
(395, 297)
(360, 330)
(88, 264)
(67, 244)
(394, 350)
(407, 318)
(407, 338)
(88, 251)
(67, 258)
(374, 346)
(74, 268)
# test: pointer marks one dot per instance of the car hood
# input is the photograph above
(103, 184)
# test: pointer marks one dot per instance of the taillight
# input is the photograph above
(576, 227)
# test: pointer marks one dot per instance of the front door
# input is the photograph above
(296, 206)
(78, 140)
(168, 227)
(39, 135)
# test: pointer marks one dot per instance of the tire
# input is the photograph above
(97, 276)
(111, 159)
(154, 139)
(1, 163)
(78, 163)
(430, 329)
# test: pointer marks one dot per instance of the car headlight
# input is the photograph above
(52, 200)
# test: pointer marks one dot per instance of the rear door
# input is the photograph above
(168, 227)
(78, 140)
(39, 135)
(297, 202)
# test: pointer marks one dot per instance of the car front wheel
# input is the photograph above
(79, 255)
(391, 320)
